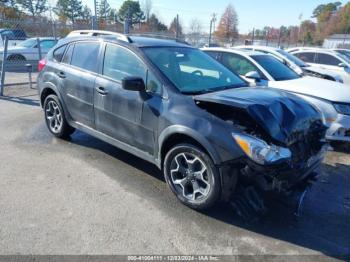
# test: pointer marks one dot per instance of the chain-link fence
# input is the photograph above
(31, 38)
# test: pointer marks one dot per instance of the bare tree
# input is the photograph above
(195, 30)
(195, 26)
(147, 8)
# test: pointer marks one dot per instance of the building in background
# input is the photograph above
(337, 41)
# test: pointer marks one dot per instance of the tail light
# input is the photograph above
(41, 64)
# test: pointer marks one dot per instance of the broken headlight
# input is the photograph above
(343, 109)
(260, 152)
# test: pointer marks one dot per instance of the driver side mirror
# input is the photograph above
(343, 65)
(133, 83)
(253, 75)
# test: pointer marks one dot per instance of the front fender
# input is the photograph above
(178, 129)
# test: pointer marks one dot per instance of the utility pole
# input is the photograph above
(94, 18)
(127, 22)
(279, 37)
(253, 36)
(267, 36)
(177, 27)
(212, 25)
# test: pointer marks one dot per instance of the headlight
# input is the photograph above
(342, 108)
(260, 152)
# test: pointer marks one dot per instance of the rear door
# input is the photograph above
(77, 73)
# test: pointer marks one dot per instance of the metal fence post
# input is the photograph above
(3, 67)
(39, 48)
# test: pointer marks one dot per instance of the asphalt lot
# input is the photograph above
(84, 196)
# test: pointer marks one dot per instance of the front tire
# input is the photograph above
(192, 176)
(55, 119)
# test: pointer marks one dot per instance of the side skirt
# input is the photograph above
(121, 145)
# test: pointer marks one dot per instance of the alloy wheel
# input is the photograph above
(190, 176)
(53, 116)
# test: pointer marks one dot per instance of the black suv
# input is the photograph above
(173, 105)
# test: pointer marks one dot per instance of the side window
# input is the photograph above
(326, 59)
(120, 63)
(238, 64)
(68, 55)
(307, 57)
(47, 44)
(213, 54)
(85, 55)
(58, 53)
(153, 85)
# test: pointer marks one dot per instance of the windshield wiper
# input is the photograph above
(211, 90)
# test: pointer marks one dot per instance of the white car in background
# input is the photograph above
(326, 59)
(28, 49)
(295, 63)
(331, 98)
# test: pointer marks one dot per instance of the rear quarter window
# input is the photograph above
(58, 53)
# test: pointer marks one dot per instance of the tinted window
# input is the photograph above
(85, 56)
(292, 58)
(275, 68)
(238, 64)
(306, 57)
(8, 34)
(58, 53)
(68, 55)
(47, 44)
(326, 59)
(120, 63)
(191, 70)
(213, 54)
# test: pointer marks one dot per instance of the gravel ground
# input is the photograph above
(84, 196)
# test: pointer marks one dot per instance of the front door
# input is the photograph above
(118, 112)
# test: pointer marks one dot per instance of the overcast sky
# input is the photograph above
(251, 13)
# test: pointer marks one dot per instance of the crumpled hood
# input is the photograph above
(280, 114)
(316, 87)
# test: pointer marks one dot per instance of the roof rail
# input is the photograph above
(119, 36)
(165, 37)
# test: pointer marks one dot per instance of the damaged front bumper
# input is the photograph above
(257, 186)
(339, 130)
(282, 177)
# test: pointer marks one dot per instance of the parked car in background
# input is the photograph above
(295, 63)
(28, 49)
(14, 36)
(325, 59)
(175, 106)
(331, 98)
(345, 52)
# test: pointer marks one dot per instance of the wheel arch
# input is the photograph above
(11, 56)
(174, 135)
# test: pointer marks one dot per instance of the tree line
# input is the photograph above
(326, 19)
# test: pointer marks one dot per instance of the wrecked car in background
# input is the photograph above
(175, 106)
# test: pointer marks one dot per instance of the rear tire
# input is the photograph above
(192, 176)
(55, 119)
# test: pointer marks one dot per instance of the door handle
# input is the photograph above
(62, 74)
(101, 90)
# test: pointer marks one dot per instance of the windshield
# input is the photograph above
(275, 68)
(28, 43)
(292, 58)
(192, 71)
(345, 54)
